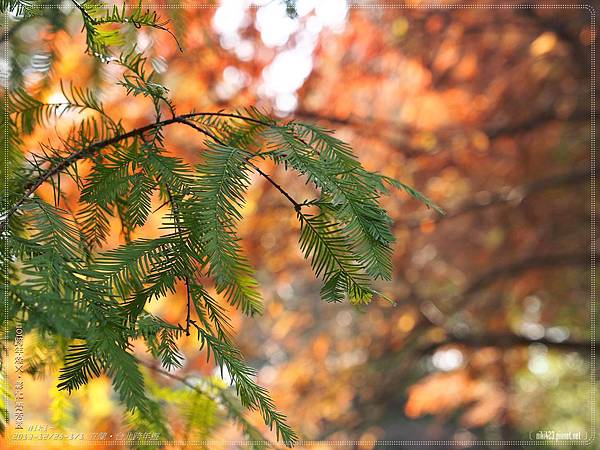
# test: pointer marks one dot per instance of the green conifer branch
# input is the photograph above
(95, 301)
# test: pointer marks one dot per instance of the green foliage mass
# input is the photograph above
(64, 287)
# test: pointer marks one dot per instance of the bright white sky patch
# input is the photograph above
(332, 13)
(233, 80)
(287, 72)
(230, 16)
(245, 50)
(304, 7)
(144, 42)
(447, 360)
(286, 102)
(274, 24)
(56, 98)
(538, 364)
(292, 65)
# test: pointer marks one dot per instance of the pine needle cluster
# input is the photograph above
(88, 305)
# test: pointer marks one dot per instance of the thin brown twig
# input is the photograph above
(507, 340)
(297, 205)
(221, 397)
(84, 13)
(97, 22)
(187, 279)
(492, 132)
(437, 319)
(32, 186)
(530, 262)
(173, 376)
(515, 195)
